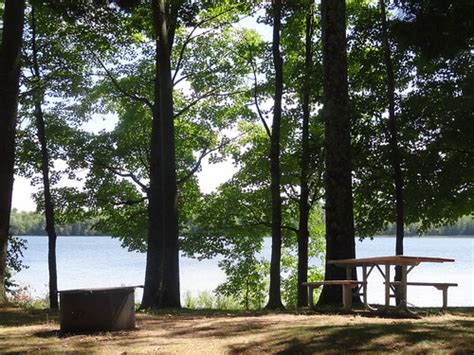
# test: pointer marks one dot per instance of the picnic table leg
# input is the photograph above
(349, 290)
(347, 296)
(310, 296)
(364, 286)
(348, 272)
(445, 298)
(403, 288)
(387, 285)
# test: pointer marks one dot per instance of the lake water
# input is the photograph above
(85, 262)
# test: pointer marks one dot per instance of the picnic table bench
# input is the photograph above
(442, 286)
(347, 286)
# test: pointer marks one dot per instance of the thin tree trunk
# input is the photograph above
(162, 270)
(13, 19)
(48, 202)
(393, 141)
(304, 208)
(274, 299)
(340, 242)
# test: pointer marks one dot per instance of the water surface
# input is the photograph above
(85, 262)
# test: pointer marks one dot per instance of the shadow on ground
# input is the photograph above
(367, 338)
(208, 331)
(12, 317)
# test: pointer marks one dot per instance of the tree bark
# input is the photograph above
(274, 299)
(340, 242)
(393, 141)
(13, 19)
(162, 270)
(48, 201)
(304, 207)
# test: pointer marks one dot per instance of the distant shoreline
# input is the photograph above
(368, 238)
(425, 236)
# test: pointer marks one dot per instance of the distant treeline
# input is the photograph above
(32, 223)
(464, 226)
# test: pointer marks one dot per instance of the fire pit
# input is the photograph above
(99, 309)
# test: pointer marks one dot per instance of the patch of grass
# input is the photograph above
(208, 300)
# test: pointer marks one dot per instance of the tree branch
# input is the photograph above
(196, 167)
(208, 70)
(210, 93)
(128, 174)
(143, 157)
(206, 151)
(291, 229)
(255, 96)
(130, 202)
(124, 92)
(195, 102)
(189, 37)
(291, 195)
(255, 216)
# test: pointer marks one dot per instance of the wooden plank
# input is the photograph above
(389, 260)
(434, 284)
(334, 282)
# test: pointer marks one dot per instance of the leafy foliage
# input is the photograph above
(16, 246)
(433, 103)
(435, 27)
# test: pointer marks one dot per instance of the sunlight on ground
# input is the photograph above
(218, 332)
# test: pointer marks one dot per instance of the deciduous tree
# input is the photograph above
(340, 242)
(13, 20)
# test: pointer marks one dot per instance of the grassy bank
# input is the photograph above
(220, 331)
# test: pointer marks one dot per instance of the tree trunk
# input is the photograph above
(274, 297)
(393, 141)
(162, 270)
(340, 242)
(13, 19)
(48, 202)
(304, 207)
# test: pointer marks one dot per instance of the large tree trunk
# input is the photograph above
(13, 19)
(162, 270)
(393, 141)
(48, 201)
(274, 297)
(340, 242)
(304, 207)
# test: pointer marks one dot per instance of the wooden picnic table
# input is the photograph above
(383, 264)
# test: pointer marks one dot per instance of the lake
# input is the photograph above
(85, 262)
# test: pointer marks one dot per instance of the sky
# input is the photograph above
(211, 175)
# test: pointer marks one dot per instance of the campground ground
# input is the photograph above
(205, 332)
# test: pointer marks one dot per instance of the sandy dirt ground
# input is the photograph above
(220, 332)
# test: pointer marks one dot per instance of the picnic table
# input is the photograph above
(383, 265)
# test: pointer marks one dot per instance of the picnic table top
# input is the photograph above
(389, 260)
